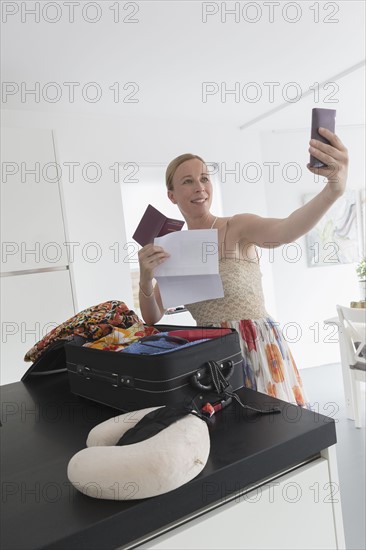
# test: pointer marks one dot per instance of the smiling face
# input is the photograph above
(192, 189)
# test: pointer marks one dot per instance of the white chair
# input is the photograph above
(352, 338)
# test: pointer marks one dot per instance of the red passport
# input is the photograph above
(154, 224)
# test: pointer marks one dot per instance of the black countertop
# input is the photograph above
(44, 425)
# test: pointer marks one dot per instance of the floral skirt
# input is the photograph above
(268, 363)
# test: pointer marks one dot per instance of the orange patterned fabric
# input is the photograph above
(269, 366)
(120, 338)
(275, 363)
(271, 389)
(92, 323)
(298, 395)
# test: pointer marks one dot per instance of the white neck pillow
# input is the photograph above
(151, 467)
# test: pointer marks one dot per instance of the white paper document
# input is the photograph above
(191, 273)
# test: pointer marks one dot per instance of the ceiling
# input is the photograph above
(169, 53)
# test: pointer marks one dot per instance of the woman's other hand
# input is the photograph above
(150, 256)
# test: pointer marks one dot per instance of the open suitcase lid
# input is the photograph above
(53, 360)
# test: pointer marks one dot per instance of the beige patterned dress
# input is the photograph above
(268, 363)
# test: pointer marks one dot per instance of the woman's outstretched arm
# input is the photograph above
(269, 232)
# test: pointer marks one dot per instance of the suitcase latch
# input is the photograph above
(127, 381)
(83, 370)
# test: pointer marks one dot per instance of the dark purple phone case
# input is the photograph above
(324, 118)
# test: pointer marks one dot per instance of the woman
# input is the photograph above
(268, 363)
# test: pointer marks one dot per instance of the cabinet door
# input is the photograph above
(32, 228)
(294, 511)
(31, 306)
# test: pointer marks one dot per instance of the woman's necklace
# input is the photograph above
(213, 223)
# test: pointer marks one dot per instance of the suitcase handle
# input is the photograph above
(196, 378)
(94, 374)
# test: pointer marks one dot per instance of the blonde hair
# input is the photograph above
(173, 165)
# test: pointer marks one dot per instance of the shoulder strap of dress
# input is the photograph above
(256, 252)
(224, 241)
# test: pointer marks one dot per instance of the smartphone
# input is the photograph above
(324, 118)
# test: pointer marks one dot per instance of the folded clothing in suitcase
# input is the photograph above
(160, 343)
(131, 381)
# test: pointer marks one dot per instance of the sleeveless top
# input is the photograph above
(243, 294)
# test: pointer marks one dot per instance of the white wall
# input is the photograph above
(306, 296)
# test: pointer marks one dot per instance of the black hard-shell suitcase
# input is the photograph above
(129, 381)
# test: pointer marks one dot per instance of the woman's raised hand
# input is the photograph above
(335, 155)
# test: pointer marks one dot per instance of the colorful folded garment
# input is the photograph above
(92, 323)
(119, 338)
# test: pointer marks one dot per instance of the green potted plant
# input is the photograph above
(361, 273)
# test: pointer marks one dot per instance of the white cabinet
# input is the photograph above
(31, 306)
(293, 511)
(36, 288)
(32, 228)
